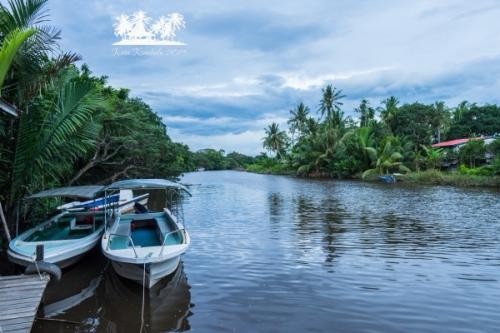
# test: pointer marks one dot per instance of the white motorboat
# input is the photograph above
(146, 246)
(71, 233)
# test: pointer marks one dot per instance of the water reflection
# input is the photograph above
(322, 218)
(91, 297)
(167, 305)
(279, 254)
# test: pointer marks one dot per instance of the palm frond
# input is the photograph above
(8, 51)
(49, 142)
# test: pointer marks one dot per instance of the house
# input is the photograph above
(454, 144)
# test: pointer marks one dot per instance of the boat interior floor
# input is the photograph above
(144, 232)
(66, 228)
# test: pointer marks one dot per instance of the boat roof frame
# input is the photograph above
(83, 191)
(146, 184)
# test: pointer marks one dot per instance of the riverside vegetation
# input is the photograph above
(73, 128)
(392, 138)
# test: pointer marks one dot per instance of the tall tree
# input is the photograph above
(440, 118)
(330, 104)
(389, 112)
(275, 140)
(366, 113)
(298, 119)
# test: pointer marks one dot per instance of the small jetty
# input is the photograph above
(20, 296)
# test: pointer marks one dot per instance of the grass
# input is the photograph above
(436, 177)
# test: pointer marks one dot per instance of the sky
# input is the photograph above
(248, 62)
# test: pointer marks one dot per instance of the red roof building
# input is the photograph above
(453, 143)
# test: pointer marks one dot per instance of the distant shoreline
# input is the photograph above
(428, 177)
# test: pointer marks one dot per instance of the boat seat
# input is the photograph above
(74, 226)
(120, 239)
(162, 227)
(123, 229)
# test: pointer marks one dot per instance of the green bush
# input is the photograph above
(485, 170)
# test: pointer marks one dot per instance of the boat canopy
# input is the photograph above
(85, 192)
(131, 184)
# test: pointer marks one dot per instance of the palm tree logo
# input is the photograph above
(138, 29)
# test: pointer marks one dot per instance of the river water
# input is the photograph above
(279, 254)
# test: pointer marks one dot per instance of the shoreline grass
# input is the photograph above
(427, 177)
(436, 177)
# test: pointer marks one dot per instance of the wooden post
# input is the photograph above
(39, 252)
(4, 223)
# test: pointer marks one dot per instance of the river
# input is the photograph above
(280, 254)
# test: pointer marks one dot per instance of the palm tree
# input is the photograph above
(366, 112)
(389, 111)
(385, 159)
(433, 155)
(49, 142)
(330, 105)
(275, 140)
(30, 69)
(439, 118)
(10, 46)
(366, 140)
(123, 26)
(298, 120)
(459, 111)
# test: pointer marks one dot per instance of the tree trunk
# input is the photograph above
(82, 171)
(4, 223)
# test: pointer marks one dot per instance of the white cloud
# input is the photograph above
(248, 142)
(371, 48)
(309, 82)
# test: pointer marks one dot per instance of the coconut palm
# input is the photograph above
(275, 140)
(330, 105)
(389, 111)
(298, 120)
(460, 110)
(366, 113)
(123, 26)
(385, 159)
(440, 118)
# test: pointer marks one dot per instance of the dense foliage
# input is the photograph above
(388, 139)
(72, 127)
(211, 159)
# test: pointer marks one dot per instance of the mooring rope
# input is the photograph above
(143, 295)
(37, 269)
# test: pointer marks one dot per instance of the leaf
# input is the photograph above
(10, 46)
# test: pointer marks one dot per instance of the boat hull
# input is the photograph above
(62, 260)
(154, 271)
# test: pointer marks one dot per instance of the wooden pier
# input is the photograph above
(20, 296)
